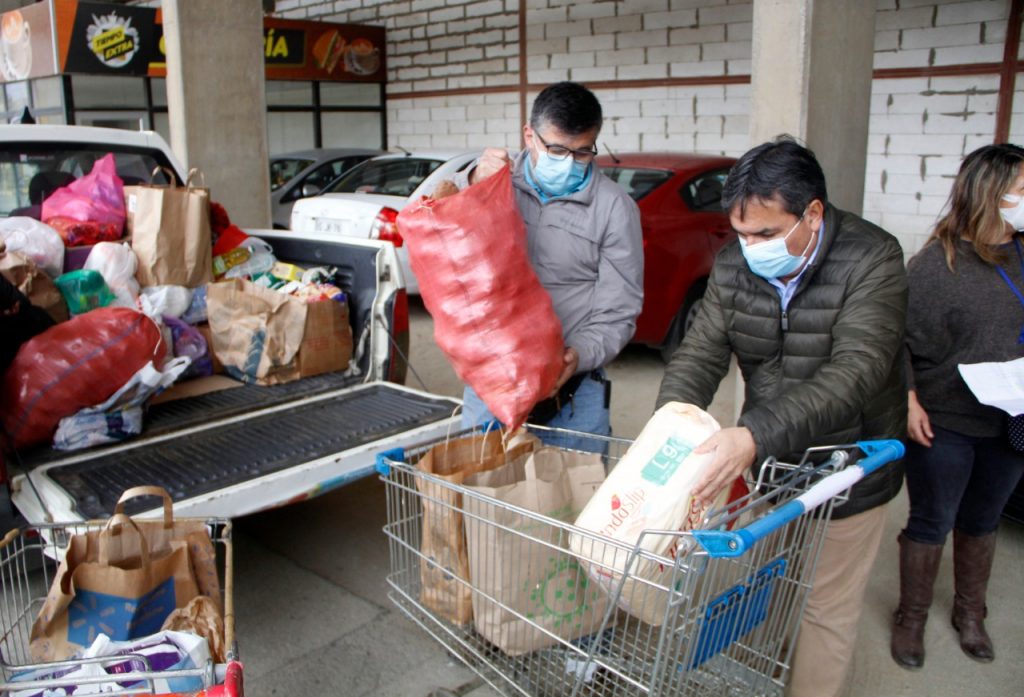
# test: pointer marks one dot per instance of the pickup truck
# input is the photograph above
(236, 451)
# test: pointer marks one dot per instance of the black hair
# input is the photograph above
(568, 106)
(781, 169)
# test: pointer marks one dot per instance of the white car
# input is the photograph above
(366, 201)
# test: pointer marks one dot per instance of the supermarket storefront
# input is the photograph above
(101, 64)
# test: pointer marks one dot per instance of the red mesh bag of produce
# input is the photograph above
(492, 317)
(73, 365)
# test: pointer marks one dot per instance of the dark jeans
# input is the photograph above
(962, 482)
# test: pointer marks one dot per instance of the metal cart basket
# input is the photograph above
(28, 562)
(718, 615)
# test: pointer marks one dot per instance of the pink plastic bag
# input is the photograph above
(98, 197)
(492, 317)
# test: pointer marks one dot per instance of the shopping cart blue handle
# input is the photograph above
(387, 456)
(733, 543)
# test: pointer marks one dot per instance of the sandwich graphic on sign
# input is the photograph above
(328, 49)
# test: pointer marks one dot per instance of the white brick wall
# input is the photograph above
(920, 127)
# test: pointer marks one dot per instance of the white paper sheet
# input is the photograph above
(997, 384)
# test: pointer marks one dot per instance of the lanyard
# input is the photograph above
(1013, 286)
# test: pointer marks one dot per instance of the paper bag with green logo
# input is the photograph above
(516, 563)
(444, 569)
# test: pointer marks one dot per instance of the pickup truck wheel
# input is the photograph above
(683, 320)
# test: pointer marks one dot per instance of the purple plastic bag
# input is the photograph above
(188, 341)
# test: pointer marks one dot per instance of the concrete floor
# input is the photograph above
(313, 616)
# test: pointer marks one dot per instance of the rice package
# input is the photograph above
(650, 489)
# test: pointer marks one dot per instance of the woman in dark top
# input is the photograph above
(966, 305)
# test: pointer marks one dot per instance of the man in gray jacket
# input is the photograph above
(584, 242)
(811, 300)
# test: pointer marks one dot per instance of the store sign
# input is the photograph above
(107, 39)
(26, 44)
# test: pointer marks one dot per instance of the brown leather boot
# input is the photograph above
(919, 563)
(972, 566)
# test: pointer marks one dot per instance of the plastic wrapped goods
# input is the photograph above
(492, 317)
(96, 199)
(84, 290)
(73, 365)
(117, 264)
(38, 241)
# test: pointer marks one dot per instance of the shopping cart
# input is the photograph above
(28, 560)
(722, 609)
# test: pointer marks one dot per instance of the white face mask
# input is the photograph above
(1013, 216)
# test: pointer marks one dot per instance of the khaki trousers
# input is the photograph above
(828, 631)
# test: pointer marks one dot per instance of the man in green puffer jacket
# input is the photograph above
(811, 300)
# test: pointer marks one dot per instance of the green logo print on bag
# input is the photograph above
(562, 594)
(660, 468)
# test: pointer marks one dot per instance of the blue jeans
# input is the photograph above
(960, 482)
(586, 412)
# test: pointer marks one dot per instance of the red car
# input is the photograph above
(684, 226)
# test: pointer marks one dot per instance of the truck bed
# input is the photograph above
(258, 437)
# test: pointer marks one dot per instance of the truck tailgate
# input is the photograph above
(252, 459)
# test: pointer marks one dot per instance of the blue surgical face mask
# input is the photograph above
(558, 177)
(772, 259)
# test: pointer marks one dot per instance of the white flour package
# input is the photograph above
(650, 489)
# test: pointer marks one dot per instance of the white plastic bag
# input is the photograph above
(163, 651)
(117, 263)
(261, 261)
(650, 489)
(119, 417)
(38, 241)
(172, 301)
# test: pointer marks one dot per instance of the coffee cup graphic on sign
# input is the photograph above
(15, 46)
(362, 57)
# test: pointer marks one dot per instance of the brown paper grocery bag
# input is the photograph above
(170, 231)
(40, 290)
(514, 562)
(120, 596)
(256, 332)
(444, 568)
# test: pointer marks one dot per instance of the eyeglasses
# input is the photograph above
(560, 152)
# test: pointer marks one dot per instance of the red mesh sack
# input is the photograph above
(73, 365)
(492, 317)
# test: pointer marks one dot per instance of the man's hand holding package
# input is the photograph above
(734, 450)
(570, 361)
(489, 163)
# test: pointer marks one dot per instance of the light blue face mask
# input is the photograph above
(558, 177)
(772, 259)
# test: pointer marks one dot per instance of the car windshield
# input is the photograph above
(31, 171)
(284, 170)
(391, 177)
(637, 181)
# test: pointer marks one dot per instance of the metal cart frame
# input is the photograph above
(28, 562)
(722, 608)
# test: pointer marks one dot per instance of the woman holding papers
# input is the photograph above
(966, 306)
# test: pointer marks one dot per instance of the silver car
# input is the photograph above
(306, 173)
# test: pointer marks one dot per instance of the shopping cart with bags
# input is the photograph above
(717, 615)
(29, 558)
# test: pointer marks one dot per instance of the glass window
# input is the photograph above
(349, 94)
(158, 88)
(108, 91)
(353, 129)
(392, 177)
(47, 93)
(281, 93)
(637, 181)
(284, 170)
(17, 98)
(29, 172)
(704, 192)
(290, 131)
(325, 174)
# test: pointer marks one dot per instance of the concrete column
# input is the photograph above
(217, 103)
(811, 77)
